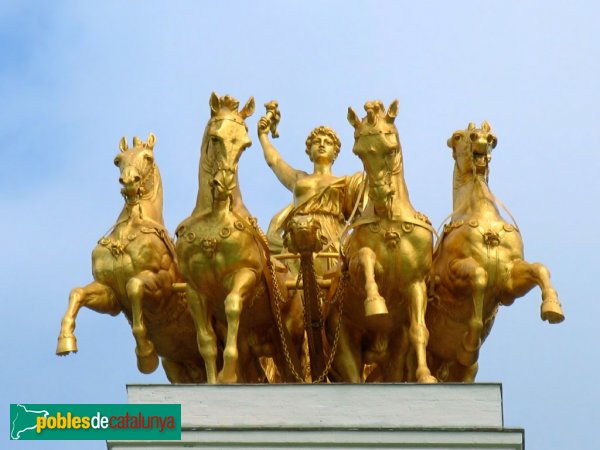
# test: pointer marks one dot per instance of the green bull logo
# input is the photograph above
(89, 422)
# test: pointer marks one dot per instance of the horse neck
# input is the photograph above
(204, 199)
(472, 197)
(150, 206)
(401, 206)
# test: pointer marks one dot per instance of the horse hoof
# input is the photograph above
(375, 306)
(467, 357)
(66, 345)
(379, 322)
(147, 363)
(552, 311)
(226, 379)
(424, 376)
(427, 379)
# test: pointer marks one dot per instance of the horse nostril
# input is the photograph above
(136, 179)
(121, 180)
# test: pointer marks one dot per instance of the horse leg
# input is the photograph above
(136, 287)
(176, 372)
(374, 304)
(455, 372)
(249, 369)
(418, 333)
(468, 273)
(95, 296)
(347, 362)
(524, 276)
(183, 372)
(205, 334)
(470, 372)
(401, 364)
(243, 282)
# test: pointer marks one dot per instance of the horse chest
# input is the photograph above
(115, 261)
(399, 246)
(211, 253)
(111, 268)
(481, 239)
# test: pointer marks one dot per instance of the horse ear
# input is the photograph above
(392, 112)
(494, 142)
(353, 118)
(151, 141)
(485, 126)
(123, 144)
(215, 104)
(452, 139)
(248, 108)
(471, 126)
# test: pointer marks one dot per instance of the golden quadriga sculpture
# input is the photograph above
(135, 271)
(477, 265)
(216, 307)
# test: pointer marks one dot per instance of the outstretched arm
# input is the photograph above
(284, 172)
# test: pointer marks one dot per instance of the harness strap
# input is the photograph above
(417, 222)
(496, 200)
(348, 225)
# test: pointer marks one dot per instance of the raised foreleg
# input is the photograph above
(524, 276)
(469, 276)
(242, 287)
(205, 334)
(95, 296)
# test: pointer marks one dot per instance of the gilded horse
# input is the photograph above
(388, 257)
(225, 260)
(477, 265)
(135, 269)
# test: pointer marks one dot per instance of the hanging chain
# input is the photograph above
(278, 302)
(338, 297)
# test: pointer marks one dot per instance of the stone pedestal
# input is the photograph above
(339, 416)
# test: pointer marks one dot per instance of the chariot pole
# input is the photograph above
(313, 317)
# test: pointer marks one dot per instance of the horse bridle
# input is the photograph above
(142, 194)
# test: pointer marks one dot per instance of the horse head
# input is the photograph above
(472, 150)
(136, 166)
(304, 235)
(225, 138)
(377, 144)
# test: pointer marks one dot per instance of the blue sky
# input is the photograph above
(74, 78)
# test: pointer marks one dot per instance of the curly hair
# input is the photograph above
(327, 131)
